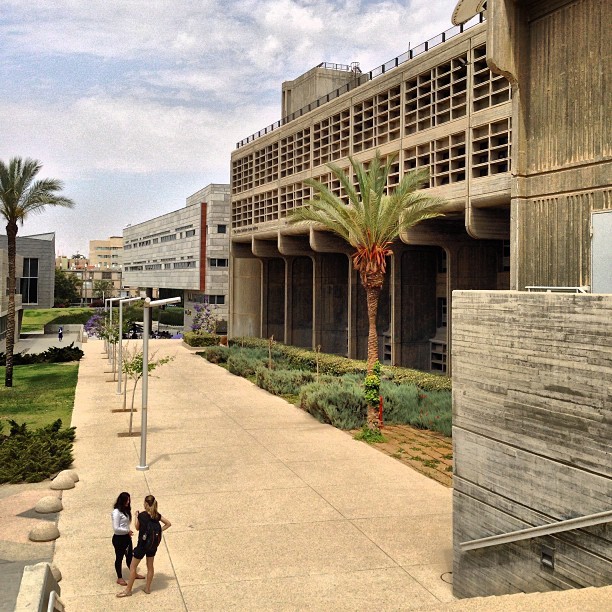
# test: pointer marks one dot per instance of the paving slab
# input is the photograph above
(270, 508)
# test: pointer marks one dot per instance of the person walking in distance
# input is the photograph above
(60, 334)
(122, 534)
(150, 525)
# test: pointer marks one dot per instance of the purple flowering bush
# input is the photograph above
(205, 319)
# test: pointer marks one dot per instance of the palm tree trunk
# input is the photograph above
(373, 286)
(11, 232)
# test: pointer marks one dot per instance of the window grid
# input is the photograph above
(242, 213)
(242, 174)
(436, 96)
(489, 89)
(332, 138)
(491, 148)
(266, 165)
(295, 153)
(265, 207)
(293, 196)
(445, 158)
(333, 184)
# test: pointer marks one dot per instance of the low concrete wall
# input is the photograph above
(53, 328)
(37, 583)
(532, 425)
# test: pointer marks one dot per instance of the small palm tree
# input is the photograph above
(20, 195)
(370, 222)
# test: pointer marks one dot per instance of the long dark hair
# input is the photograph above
(123, 504)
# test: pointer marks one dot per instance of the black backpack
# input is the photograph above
(152, 535)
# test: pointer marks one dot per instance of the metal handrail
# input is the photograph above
(554, 289)
(360, 78)
(536, 532)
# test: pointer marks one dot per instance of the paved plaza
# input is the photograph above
(270, 509)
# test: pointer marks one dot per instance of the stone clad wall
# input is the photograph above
(532, 435)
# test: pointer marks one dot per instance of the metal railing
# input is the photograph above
(536, 532)
(361, 78)
(553, 289)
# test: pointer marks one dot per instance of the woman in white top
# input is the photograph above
(122, 538)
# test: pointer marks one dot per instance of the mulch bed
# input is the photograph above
(425, 451)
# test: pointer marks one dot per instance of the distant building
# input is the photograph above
(35, 277)
(106, 254)
(71, 263)
(185, 251)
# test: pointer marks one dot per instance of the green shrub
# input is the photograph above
(201, 339)
(54, 354)
(305, 359)
(339, 403)
(401, 403)
(282, 382)
(435, 412)
(172, 315)
(423, 380)
(32, 456)
(243, 363)
(215, 354)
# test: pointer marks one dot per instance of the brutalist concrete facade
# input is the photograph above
(438, 106)
(187, 250)
(532, 424)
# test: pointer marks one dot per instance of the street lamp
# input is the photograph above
(120, 362)
(110, 301)
(148, 304)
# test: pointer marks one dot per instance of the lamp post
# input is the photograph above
(110, 355)
(148, 304)
(120, 359)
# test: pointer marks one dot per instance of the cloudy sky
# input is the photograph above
(136, 104)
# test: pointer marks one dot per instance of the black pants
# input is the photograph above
(123, 548)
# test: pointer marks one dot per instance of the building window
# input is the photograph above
(189, 233)
(215, 262)
(215, 299)
(29, 281)
(184, 264)
(221, 229)
(168, 238)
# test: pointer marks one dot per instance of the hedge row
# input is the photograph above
(32, 456)
(54, 354)
(201, 339)
(301, 358)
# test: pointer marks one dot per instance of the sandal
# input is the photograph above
(147, 592)
(121, 581)
(139, 577)
(124, 594)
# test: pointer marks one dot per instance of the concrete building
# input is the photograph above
(106, 254)
(186, 250)
(532, 418)
(516, 215)
(35, 267)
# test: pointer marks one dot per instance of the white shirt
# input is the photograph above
(121, 522)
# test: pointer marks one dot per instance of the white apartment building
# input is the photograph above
(186, 251)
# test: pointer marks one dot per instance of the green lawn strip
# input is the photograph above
(35, 320)
(41, 393)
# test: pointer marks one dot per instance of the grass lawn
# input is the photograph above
(35, 320)
(41, 393)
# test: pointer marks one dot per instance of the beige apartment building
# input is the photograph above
(522, 173)
(106, 254)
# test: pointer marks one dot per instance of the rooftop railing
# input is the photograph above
(361, 78)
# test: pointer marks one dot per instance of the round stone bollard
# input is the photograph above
(62, 482)
(71, 473)
(48, 504)
(45, 532)
(56, 573)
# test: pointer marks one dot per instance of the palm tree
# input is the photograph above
(370, 222)
(21, 195)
